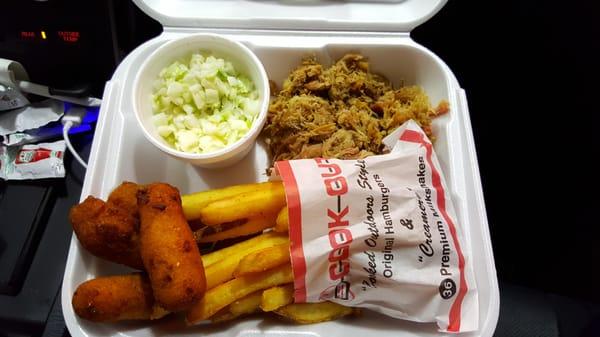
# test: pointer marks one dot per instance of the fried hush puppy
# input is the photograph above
(168, 249)
(115, 298)
(125, 197)
(110, 230)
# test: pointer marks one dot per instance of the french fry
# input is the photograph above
(307, 313)
(223, 271)
(277, 297)
(193, 203)
(219, 297)
(247, 305)
(245, 205)
(264, 259)
(244, 306)
(253, 225)
(263, 240)
(282, 222)
(223, 316)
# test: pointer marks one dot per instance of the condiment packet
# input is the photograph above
(34, 161)
(381, 233)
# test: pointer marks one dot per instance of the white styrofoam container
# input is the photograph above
(121, 152)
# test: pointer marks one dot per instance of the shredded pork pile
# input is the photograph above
(341, 112)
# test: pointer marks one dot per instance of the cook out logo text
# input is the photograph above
(340, 236)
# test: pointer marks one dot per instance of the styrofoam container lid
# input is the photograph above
(381, 16)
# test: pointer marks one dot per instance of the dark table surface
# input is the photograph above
(37, 211)
(530, 70)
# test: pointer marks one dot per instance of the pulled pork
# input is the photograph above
(343, 112)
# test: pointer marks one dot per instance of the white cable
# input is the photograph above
(66, 127)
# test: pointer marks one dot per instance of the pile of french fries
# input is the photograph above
(254, 275)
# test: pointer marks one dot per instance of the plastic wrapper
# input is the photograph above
(36, 161)
(381, 233)
(45, 133)
(30, 117)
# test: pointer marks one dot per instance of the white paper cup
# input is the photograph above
(244, 61)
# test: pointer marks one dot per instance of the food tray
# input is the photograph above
(120, 152)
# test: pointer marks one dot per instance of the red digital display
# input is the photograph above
(69, 36)
(27, 35)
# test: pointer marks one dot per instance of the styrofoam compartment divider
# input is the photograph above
(121, 153)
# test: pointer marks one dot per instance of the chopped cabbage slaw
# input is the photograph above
(203, 104)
